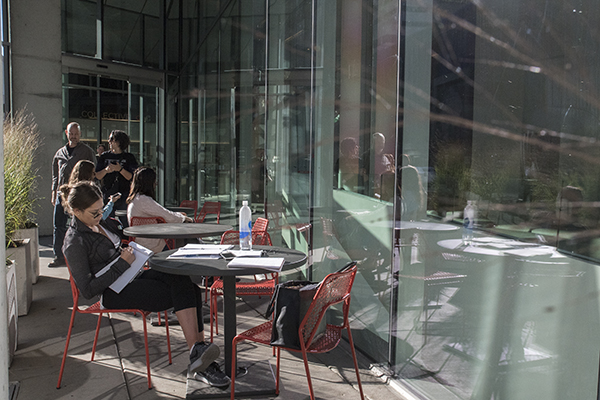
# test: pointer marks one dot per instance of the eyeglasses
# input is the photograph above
(95, 214)
(111, 139)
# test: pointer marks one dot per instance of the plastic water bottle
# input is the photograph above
(468, 223)
(245, 226)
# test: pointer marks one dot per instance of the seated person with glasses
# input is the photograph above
(91, 244)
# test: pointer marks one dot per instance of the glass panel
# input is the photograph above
(80, 97)
(79, 27)
(143, 126)
(510, 127)
(132, 31)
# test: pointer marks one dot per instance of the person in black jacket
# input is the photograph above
(115, 168)
(91, 244)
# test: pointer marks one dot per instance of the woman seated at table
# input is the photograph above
(92, 244)
(142, 203)
(85, 170)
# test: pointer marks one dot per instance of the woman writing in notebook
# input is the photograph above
(91, 244)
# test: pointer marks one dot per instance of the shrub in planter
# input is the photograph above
(21, 141)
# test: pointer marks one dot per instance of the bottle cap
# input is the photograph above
(245, 202)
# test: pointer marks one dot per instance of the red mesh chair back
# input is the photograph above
(209, 207)
(334, 289)
(260, 224)
(135, 221)
(97, 308)
(259, 238)
(191, 204)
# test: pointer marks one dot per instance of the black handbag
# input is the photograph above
(289, 303)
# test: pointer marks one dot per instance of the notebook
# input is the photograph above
(142, 255)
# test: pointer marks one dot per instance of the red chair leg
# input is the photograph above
(96, 336)
(310, 388)
(351, 342)
(62, 365)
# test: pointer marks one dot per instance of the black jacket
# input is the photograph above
(88, 252)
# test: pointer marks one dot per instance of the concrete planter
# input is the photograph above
(34, 248)
(21, 255)
(11, 297)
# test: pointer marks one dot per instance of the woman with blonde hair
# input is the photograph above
(84, 171)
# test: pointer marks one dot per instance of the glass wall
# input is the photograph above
(362, 129)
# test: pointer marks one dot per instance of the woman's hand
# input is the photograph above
(115, 197)
(127, 255)
(113, 167)
(188, 219)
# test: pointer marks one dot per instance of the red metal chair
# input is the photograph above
(260, 287)
(260, 225)
(135, 221)
(191, 204)
(96, 308)
(209, 207)
(334, 289)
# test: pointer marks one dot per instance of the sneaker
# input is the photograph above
(213, 376)
(202, 354)
(57, 262)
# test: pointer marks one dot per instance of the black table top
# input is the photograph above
(218, 266)
(176, 230)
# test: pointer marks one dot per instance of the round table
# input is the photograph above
(178, 231)
(218, 267)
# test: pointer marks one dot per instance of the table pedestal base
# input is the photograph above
(258, 381)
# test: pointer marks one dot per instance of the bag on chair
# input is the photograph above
(289, 303)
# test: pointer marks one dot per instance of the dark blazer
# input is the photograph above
(88, 252)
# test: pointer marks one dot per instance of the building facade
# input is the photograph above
(362, 129)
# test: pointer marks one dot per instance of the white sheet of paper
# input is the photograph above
(273, 264)
(192, 250)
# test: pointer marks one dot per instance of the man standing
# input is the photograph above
(64, 160)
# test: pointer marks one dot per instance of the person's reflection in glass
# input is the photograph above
(412, 199)
(351, 175)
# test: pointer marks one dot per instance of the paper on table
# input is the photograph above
(247, 253)
(273, 264)
(200, 250)
(142, 255)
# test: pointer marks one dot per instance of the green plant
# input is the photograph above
(21, 141)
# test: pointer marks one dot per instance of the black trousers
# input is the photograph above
(157, 291)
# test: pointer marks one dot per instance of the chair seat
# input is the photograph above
(97, 308)
(323, 343)
(264, 287)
